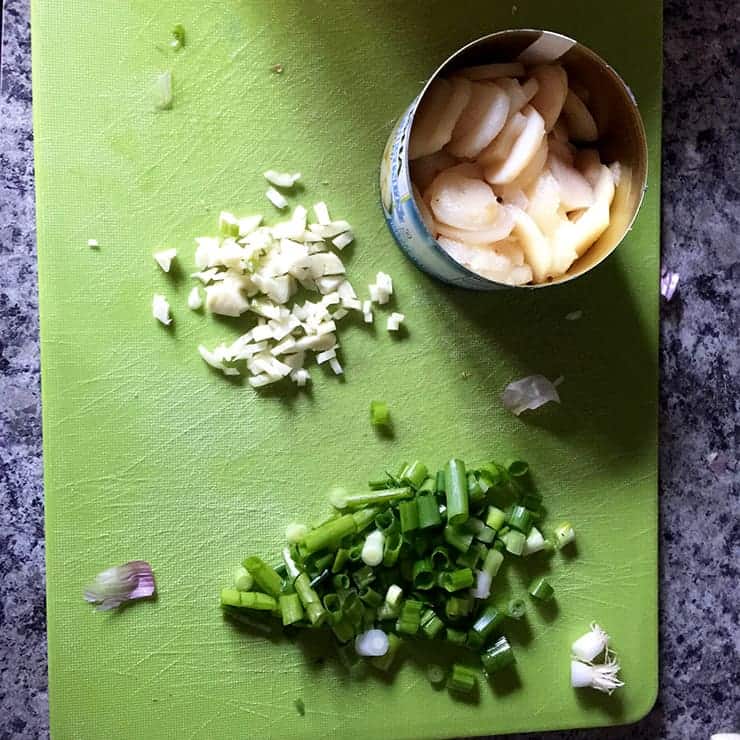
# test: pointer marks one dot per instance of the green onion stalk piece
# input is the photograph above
(410, 618)
(290, 608)
(392, 549)
(516, 608)
(541, 589)
(436, 674)
(520, 519)
(340, 499)
(456, 488)
(498, 656)
(409, 514)
(380, 415)
(328, 535)
(514, 541)
(428, 508)
(458, 538)
(315, 610)
(265, 577)
(414, 474)
(456, 580)
(423, 575)
(489, 621)
(248, 600)
(431, 624)
(462, 680)
(178, 36)
(243, 580)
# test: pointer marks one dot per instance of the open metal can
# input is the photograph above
(621, 138)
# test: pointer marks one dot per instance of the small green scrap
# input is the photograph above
(178, 36)
(300, 707)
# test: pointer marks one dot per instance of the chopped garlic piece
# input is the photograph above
(92, 243)
(164, 258)
(277, 199)
(343, 240)
(228, 223)
(327, 231)
(322, 357)
(322, 213)
(195, 300)
(258, 269)
(226, 299)
(257, 381)
(161, 309)
(352, 303)
(248, 224)
(216, 361)
(300, 376)
(394, 321)
(384, 282)
(282, 179)
(206, 253)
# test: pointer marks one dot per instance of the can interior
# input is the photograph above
(621, 131)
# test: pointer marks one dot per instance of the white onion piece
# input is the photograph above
(463, 201)
(528, 394)
(560, 130)
(524, 149)
(581, 124)
(480, 121)
(424, 132)
(564, 150)
(593, 643)
(544, 202)
(514, 90)
(372, 548)
(372, 643)
(512, 194)
(535, 542)
(493, 71)
(486, 260)
(482, 589)
(161, 309)
(529, 89)
(425, 169)
(581, 234)
(500, 147)
(575, 191)
(588, 163)
(536, 247)
(500, 230)
(532, 171)
(600, 677)
(553, 89)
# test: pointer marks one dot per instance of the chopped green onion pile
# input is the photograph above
(412, 558)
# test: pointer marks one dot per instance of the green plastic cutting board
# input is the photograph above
(149, 454)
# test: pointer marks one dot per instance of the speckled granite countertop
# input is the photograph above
(700, 394)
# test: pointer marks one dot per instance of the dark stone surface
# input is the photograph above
(700, 400)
